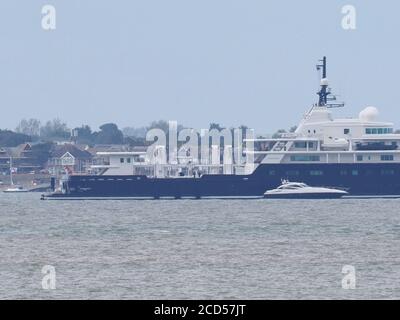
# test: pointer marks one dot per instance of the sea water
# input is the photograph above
(198, 249)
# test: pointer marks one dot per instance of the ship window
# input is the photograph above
(354, 172)
(387, 172)
(359, 158)
(304, 158)
(128, 160)
(387, 157)
(311, 144)
(316, 173)
(300, 144)
(378, 130)
(122, 160)
(343, 172)
(346, 131)
(292, 173)
(272, 172)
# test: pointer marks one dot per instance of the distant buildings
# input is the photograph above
(68, 157)
(61, 158)
(23, 159)
(4, 161)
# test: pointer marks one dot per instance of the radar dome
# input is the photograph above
(324, 82)
(368, 114)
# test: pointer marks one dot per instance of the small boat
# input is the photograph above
(299, 190)
(15, 189)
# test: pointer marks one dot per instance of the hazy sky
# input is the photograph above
(195, 61)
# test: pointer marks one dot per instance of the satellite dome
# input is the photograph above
(368, 114)
(324, 82)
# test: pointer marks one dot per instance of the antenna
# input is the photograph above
(325, 93)
(323, 66)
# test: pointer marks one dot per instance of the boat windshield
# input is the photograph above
(292, 185)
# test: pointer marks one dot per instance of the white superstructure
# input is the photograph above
(319, 138)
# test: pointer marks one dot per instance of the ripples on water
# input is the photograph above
(199, 249)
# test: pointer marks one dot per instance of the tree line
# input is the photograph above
(32, 130)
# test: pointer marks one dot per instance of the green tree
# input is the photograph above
(30, 127)
(11, 139)
(83, 135)
(134, 132)
(278, 133)
(135, 141)
(55, 129)
(109, 134)
(41, 152)
(217, 126)
(160, 124)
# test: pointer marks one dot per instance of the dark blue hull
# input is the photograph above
(356, 179)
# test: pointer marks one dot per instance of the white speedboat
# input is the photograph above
(15, 189)
(298, 190)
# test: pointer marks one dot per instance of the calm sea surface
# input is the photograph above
(199, 249)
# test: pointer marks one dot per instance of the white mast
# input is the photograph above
(11, 172)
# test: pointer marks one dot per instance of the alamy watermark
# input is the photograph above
(49, 17)
(203, 147)
(49, 278)
(349, 279)
(349, 20)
